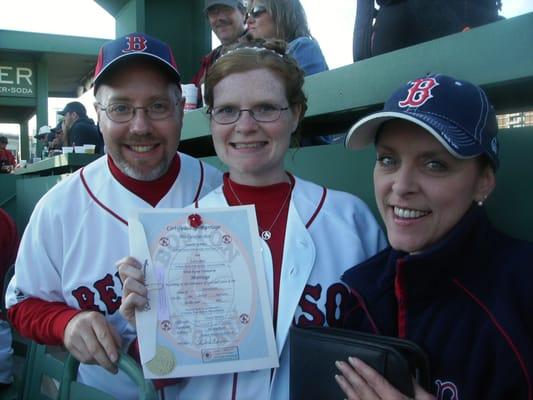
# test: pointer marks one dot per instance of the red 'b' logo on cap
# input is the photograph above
(135, 43)
(419, 93)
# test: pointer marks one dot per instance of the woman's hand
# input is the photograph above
(361, 382)
(134, 293)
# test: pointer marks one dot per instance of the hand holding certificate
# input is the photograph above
(208, 309)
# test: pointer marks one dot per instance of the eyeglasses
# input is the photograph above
(226, 115)
(256, 12)
(124, 112)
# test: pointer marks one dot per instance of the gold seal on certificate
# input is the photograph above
(207, 291)
(163, 362)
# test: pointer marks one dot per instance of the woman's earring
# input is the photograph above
(480, 202)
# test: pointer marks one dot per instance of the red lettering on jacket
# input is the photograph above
(85, 298)
(309, 307)
(107, 293)
(419, 93)
(338, 302)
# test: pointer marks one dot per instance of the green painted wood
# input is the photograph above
(130, 18)
(185, 27)
(18, 41)
(509, 207)
(28, 192)
(43, 366)
(497, 56)
(57, 165)
(8, 189)
(72, 389)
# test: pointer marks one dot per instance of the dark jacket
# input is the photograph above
(84, 131)
(402, 23)
(199, 78)
(467, 301)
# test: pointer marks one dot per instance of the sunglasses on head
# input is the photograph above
(256, 12)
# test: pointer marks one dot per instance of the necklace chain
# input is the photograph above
(266, 234)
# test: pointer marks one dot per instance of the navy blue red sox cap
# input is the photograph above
(456, 112)
(134, 45)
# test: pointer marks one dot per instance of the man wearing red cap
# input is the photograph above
(66, 288)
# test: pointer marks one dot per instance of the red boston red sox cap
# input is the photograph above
(130, 46)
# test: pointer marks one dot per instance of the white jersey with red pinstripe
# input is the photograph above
(75, 235)
(327, 232)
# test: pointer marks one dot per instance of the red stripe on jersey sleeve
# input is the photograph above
(40, 320)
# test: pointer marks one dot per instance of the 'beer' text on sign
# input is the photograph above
(16, 79)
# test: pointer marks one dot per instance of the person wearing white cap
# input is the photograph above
(43, 133)
(449, 281)
(227, 20)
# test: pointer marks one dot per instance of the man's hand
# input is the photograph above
(91, 340)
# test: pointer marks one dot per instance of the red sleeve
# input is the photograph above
(9, 242)
(11, 159)
(40, 320)
(198, 78)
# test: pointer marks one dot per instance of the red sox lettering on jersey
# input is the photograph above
(419, 93)
(338, 302)
(135, 43)
(105, 288)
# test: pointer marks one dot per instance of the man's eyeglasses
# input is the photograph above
(124, 112)
(256, 12)
(226, 115)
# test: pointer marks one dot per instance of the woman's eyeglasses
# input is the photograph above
(256, 12)
(225, 115)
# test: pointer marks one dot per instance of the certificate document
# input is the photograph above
(208, 308)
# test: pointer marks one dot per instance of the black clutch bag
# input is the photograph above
(313, 352)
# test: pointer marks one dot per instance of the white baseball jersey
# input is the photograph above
(75, 235)
(327, 233)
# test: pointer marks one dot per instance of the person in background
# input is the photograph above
(226, 18)
(255, 105)
(7, 159)
(286, 20)
(79, 129)
(66, 290)
(56, 138)
(402, 23)
(449, 281)
(9, 241)
(42, 134)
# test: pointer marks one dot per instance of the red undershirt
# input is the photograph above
(268, 201)
(150, 191)
(45, 321)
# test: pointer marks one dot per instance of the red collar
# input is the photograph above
(150, 191)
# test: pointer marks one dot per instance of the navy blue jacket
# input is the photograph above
(467, 301)
(84, 131)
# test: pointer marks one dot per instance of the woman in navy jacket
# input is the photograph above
(450, 282)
